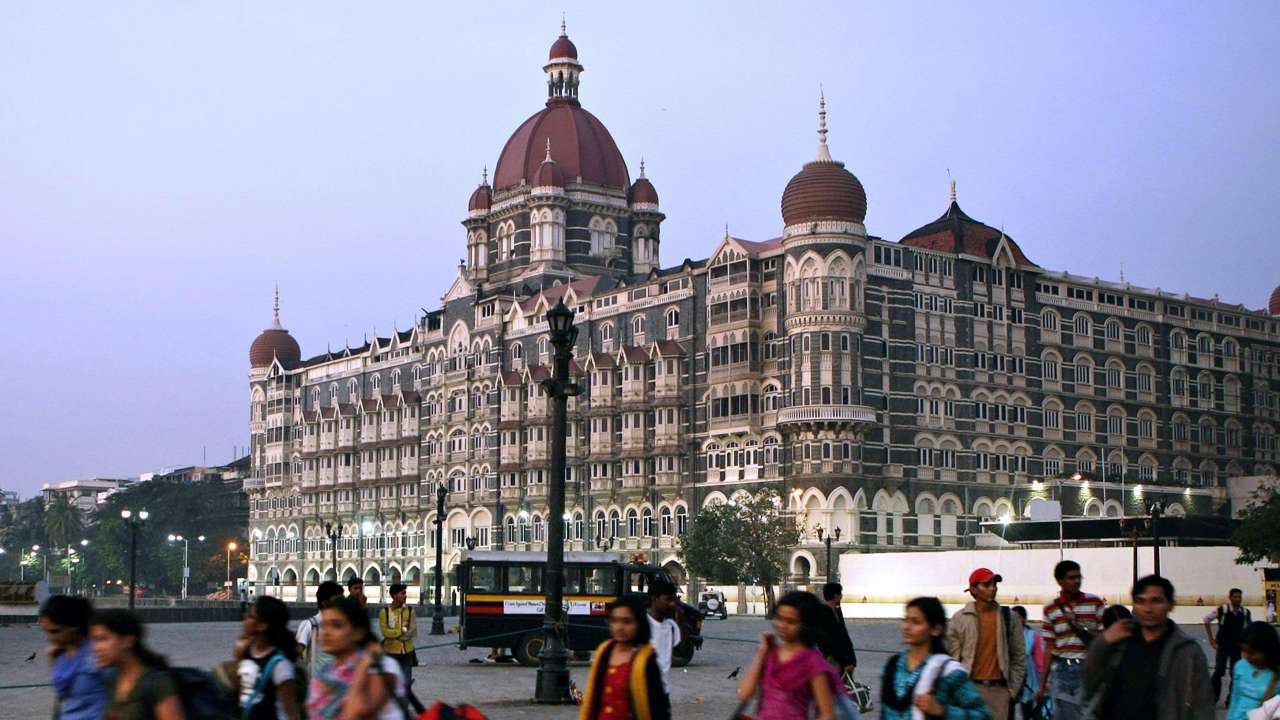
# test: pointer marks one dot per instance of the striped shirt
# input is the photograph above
(1057, 631)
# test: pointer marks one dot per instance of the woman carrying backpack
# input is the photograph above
(265, 657)
(143, 689)
(925, 681)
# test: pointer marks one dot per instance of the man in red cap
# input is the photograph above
(987, 639)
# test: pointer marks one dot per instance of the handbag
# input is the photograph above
(859, 692)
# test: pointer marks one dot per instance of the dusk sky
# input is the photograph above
(163, 166)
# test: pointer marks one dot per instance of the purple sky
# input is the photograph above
(161, 167)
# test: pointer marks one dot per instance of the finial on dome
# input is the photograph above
(824, 154)
(548, 157)
(641, 167)
(275, 311)
(952, 182)
(563, 32)
(484, 175)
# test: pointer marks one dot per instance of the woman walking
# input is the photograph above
(793, 678)
(143, 688)
(360, 682)
(925, 681)
(265, 657)
(80, 685)
(625, 682)
(1253, 681)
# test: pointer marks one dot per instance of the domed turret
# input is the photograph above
(275, 343)
(549, 173)
(642, 191)
(1274, 305)
(482, 199)
(823, 190)
(563, 47)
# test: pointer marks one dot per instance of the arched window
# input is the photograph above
(682, 520)
(601, 533)
(646, 522)
(1049, 320)
(375, 383)
(633, 523)
(664, 521)
(606, 332)
(637, 325)
(673, 317)
(615, 524)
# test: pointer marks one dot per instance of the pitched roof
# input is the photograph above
(955, 232)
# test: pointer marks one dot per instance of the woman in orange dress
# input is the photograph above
(625, 682)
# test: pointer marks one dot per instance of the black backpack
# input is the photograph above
(202, 698)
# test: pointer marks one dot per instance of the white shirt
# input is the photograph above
(663, 636)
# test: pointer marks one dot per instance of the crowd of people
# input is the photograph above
(1087, 661)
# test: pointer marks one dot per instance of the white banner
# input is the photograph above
(537, 607)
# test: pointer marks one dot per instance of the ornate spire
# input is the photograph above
(275, 311)
(824, 154)
(953, 190)
(484, 175)
(563, 32)
(641, 167)
(548, 157)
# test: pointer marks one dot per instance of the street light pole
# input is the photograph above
(231, 546)
(553, 672)
(437, 612)
(827, 540)
(1156, 510)
(134, 522)
(334, 531)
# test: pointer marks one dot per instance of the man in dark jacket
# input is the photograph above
(1146, 668)
(835, 642)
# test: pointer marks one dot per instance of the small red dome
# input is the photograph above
(563, 47)
(481, 199)
(1274, 306)
(823, 190)
(549, 175)
(274, 343)
(642, 191)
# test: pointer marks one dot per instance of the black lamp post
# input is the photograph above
(553, 673)
(437, 613)
(134, 522)
(334, 531)
(1156, 510)
(827, 541)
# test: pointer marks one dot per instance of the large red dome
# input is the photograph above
(583, 148)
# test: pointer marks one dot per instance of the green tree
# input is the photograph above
(62, 520)
(1256, 536)
(744, 541)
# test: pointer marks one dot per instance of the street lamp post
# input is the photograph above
(553, 672)
(334, 531)
(186, 568)
(437, 612)
(827, 541)
(1157, 510)
(134, 521)
(231, 546)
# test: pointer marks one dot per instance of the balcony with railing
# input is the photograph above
(856, 415)
(389, 431)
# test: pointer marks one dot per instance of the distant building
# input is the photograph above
(8, 499)
(84, 494)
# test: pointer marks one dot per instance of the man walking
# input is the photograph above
(1070, 623)
(987, 639)
(835, 642)
(1146, 668)
(1232, 619)
(399, 628)
(664, 632)
(308, 632)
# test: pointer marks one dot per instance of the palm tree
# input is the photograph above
(62, 519)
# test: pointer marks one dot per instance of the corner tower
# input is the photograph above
(824, 276)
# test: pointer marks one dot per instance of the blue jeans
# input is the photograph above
(1064, 684)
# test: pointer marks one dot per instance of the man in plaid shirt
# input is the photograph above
(1070, 623)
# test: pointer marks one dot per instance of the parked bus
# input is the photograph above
(503, 601)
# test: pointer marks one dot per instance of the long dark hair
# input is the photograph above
(355, 614)
(275, 614)
(809, 608)
(126, 624)
(639, 607)
(1261, 637)
(936, 616)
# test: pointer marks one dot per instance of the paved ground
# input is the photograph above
(700, 691)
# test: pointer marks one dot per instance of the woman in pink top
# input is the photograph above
(791, 675)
